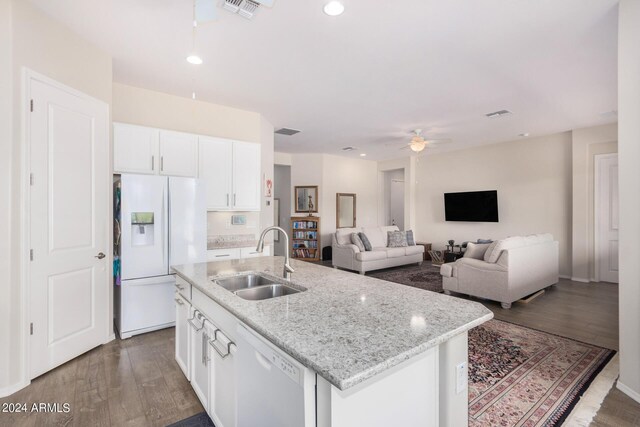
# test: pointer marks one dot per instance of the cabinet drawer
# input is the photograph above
(183, 288)
(251, 252)
(219, 316)
(223, 254)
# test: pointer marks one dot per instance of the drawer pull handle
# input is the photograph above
(180, 287)
(179, 301)
(221, 256)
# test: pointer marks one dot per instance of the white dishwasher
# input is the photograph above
(274, 390)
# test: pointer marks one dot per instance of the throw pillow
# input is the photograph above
(410, 240)
(365, 241)
(356, 240)
(396, 239)
(490, 249)
(484, 241)
(475, 250)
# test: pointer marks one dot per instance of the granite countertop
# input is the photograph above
(346, 327)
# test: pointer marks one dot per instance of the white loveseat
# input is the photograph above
(518, 266)
(347, 255)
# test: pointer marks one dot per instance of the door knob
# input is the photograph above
(100, 255)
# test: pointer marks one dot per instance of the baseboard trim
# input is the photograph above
(8, 391)
(562, 276)
(580, 279)
(628, 391)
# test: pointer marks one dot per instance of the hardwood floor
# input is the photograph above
(136, 382)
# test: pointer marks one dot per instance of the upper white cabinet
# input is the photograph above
(135, 149)
(178, 154)
(139, 149)
(246, 176)
(231, 170)
(215, 165)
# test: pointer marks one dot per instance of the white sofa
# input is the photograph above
(347, 255)
(521, 266)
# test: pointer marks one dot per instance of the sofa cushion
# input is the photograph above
(396, 239)
(376, 236)
(343, 235)
(414, 250)
(476, 250)
(490, 249)
(479, 264)
(356, 240)
(365, 241)
(396, 252)
(504, 244)
(446, 270)
(371, 255)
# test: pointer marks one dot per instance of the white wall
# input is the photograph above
(533, 179)
(586, 143)
(629, 170)
(44, 46)
(336, 174)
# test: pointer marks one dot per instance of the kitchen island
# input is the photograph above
(364, 351)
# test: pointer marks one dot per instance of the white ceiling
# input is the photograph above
(376, 72)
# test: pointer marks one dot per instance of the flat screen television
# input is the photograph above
(471, 206)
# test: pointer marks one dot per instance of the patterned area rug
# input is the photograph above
(425, 276)
(197, 420)
(523, 377)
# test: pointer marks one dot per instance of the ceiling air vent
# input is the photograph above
(498, 114)
(232, 6)
(287, 131)
(248, 9)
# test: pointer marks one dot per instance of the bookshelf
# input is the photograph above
(305, 238)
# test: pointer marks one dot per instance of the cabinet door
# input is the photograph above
(222, 403)
(215, 164)
(223, 254)
(246, 176)
(200, 358)
(178, 154)
(183, 309)
(135, 149)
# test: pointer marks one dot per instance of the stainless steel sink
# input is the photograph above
(245, 281)
(256, 287)
(266, 292)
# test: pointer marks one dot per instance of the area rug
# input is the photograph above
(197, 420)
(524, 377)
(426, 276)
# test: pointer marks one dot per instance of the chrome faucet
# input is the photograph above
(287, 267)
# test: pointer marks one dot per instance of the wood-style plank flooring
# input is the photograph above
(136, 382)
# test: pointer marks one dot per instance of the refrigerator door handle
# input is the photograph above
(153, 163)
(227, 199)
(161, 163)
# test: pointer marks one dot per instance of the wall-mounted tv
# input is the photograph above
(471, 206)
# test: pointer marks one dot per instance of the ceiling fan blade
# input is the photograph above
(406, 147)
(205, 11)
(438, 141)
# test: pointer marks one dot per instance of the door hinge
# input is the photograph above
(31, 328)
(31, 254)
(30, 179)
(31, 105)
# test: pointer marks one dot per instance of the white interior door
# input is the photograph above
(396, 207)
(69, 205)
(606, 208)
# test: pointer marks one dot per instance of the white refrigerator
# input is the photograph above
(159, 222)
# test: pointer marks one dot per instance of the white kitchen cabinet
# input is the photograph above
(222, 370)
(223, 254)
(251, 252)
(246, 177)
(200, 357)
(183, 348)
(135, 149)
(215, 164)
(178, 154)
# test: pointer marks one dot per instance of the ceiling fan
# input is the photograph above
(419, 142)
(205, 10)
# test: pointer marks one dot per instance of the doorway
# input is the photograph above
(606, 217)
(282, 205)
(394, 197)
(67, 203)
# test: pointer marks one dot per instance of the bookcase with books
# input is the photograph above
(305, 238)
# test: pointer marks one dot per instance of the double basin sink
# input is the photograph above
(255, 287)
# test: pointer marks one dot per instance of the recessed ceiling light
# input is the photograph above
(334, 8)
(194, 59)
(524, 135)
(363, 155)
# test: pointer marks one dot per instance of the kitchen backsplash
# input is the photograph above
(219, 224)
